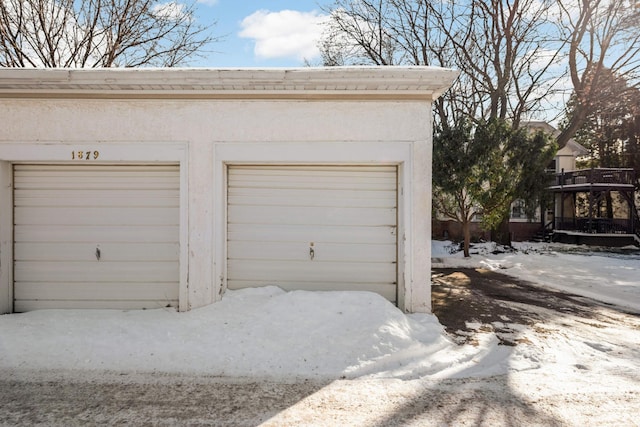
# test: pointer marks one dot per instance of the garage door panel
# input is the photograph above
(95, 169)
(290, 271)
(88, 291)
(28, 305)
(114, 216)
(313, 185)
(96, 233)
(84, 234)
(311, 216)
(97, 271)
(338, 198)
(84, 198)
(300, 251)
(324, 234)
(89, 251)
(312, 179)
(83, 183)
(97, 177)
(314, 170)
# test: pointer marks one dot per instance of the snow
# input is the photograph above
(610, 277)
(263, 332)
(266, 332)
(275, 335)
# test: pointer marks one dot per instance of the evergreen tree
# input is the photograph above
(485, 168)
(514, 169)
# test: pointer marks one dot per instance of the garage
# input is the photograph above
(95, 236)
(133, 188)
(313, 227)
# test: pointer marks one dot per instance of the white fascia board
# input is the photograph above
(394, 82)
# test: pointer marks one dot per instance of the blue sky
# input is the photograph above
(262, 33)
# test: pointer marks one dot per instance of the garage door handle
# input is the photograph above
(312, 253)
(98, 254)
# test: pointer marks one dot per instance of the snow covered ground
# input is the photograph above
(611, 276)
(265, 332)
(273, 335)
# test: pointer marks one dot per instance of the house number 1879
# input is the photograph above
(84, 155)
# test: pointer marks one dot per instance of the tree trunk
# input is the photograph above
(575, 122)
(467, 238)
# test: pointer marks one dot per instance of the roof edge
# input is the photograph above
(424, 82)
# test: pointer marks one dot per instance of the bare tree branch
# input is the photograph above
(492, 43)
(99, 33)
(604, 38)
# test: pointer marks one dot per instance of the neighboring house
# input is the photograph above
(592, 206)
(522, 228)
(145, 188)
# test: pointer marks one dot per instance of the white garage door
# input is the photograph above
(96, 236)
(313, 228)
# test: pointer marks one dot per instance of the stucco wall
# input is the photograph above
(211, 120)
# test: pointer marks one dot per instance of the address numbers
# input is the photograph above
(84, 155)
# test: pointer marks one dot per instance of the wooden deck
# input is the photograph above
(570, 226)
(601, 178)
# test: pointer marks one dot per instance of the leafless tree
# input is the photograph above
(604, 40)
(508, 52)
(505, 50)
(99, 33)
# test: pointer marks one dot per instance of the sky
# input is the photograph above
(262, 33)
(279, 33)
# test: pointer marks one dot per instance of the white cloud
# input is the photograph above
(208, 2)
(538, 59)
(284, 34)
(171, 10)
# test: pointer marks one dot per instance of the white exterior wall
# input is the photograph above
(203, 135)
(565, 162)
(567, 155)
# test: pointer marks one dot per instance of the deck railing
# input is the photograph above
(596, 176)
(595, 225)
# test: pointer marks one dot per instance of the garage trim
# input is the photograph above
(6, 238)
(47, 152)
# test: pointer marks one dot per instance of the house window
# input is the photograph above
(517, 210)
